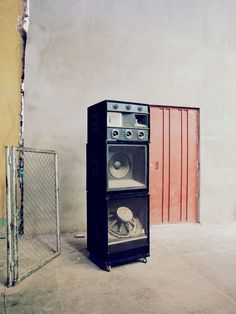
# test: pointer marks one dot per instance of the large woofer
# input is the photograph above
(127, 218)
(123, 224)
(119, 165)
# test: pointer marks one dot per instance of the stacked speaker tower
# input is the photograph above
(118, 182)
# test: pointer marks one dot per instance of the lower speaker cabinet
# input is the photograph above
(118, 229)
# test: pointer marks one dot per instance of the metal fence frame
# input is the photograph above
(13, 275)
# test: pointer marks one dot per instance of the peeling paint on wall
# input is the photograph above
(13, 14)
(23, 27)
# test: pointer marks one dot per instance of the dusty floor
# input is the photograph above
(192, 269)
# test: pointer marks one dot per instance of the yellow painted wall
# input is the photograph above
(11, 52)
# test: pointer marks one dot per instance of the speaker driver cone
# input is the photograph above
(119, 165)
(123, 224)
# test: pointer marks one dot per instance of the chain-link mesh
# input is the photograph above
(36, 229)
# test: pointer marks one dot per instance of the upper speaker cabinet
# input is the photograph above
(127, 122)
(115, 121)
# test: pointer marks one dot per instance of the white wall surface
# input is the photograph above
(158, 51)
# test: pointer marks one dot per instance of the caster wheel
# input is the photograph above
(145, 260)
(108, 268)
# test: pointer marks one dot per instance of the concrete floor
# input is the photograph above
(192, 269)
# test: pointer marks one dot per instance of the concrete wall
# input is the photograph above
(11, 54)
(167, 52)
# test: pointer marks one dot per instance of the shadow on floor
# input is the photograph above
(79, 244)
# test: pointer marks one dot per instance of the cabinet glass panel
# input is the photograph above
(127, 219)
(126, 167)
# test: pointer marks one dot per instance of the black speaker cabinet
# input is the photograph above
(118, 182)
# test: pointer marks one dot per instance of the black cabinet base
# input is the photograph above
(120, 258)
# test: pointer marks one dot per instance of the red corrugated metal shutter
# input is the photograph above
(174, 165)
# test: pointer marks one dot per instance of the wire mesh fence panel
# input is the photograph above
(33, 211)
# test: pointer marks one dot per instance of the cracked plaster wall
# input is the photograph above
(168, 52)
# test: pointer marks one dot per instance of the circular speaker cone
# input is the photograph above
(128, 133)
(141, 135)
(124, 214)
(123, 224)
(115, 133)
(119, 165)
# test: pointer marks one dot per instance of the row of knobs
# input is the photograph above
(128, 134)
(127, 107)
